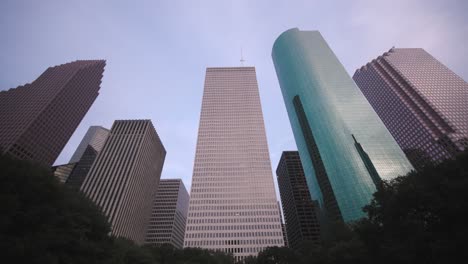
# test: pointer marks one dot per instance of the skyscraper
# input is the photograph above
(94, 137)
(85, 154)
(298, 208)
(37, 119)
(423, 103)
(124, 178)
(167, 222)
(62, 172)
(233, 204)
(341, 140)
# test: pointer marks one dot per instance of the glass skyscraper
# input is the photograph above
(345, 148)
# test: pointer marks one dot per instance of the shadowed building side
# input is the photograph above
(123, 179)
(170, 207)
(298, 208)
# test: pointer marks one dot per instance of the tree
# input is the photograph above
(277, 255)
(124, 251)
(42, 222)
(418, 218)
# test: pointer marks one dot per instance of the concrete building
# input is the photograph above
(123, 179)
(170, 207)
(62, 172)
(233, 205)
(345, 148)
(421, 102)
(298, 208)
(38, 119)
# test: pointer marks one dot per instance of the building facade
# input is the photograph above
(421, 101)
(233, 205)
(85, 154)
(62, 172)
(298, 208)
(170, 207)
(124, 178)
(95, 137)
(38, 119)
(329, 115)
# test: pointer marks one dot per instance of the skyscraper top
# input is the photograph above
(421, 101)
(37, 119)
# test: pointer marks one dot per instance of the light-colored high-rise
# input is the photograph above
(233, 205)
(124, 178)
(95, 137)
(167, 222)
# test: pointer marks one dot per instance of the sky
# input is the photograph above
(157, 53)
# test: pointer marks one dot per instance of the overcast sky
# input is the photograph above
(157, 53)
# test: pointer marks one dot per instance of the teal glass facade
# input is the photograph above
(344, 147)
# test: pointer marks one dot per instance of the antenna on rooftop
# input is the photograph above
(242, 58)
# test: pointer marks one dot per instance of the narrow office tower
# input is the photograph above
(167, 222)
(345, 148)
(124, 178)
(95, 137)
(421, 101)
(298, 208)
(85, 155)
(38, 119)
(233, 204)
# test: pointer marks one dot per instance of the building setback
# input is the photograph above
(167, 222)
(421, 101)
(86, 153)
(233, 206)
(123, 179)
(345, 148)
(38, 119)
(298, 208)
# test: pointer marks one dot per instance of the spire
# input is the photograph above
(242, 58)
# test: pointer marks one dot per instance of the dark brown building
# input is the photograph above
(124, 177)
(298, 207)
(38, 119)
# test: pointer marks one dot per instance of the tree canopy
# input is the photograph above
(43, 221)
(416, 218)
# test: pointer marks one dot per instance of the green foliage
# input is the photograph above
(277, 255)
(42, 222)
(418, 217)
(126, 251)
